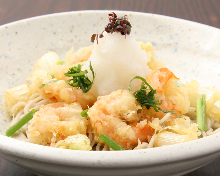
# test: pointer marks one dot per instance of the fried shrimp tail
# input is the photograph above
(56, 121)
(173, 96)
(116, 115)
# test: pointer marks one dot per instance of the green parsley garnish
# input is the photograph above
(79, 78)
(146, 96)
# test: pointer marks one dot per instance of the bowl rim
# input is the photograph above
(104, 12)
(131, 158)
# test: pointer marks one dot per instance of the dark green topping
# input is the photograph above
(79, 78)
(146, 96)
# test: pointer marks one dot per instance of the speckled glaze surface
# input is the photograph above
(189, 49)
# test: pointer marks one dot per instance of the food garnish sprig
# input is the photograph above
(119, 25)
(145, 96)
(79, 78)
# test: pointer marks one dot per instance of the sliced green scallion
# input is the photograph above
(80, 63)
(146, 97)
(48, 82)
(201, 119)
(60, 62)
(79, 78)
(110, 142)
(84, 113)
(20, 123)
(51, 74)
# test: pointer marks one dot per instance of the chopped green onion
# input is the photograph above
(51, 74)
(146, 97)
(44, 84)
(77, 74)
(110, 142)
(84, 113)
(60, 62)
(80, 63)
(79, 78)
(201, 119)
(177, 84)
(20, 123)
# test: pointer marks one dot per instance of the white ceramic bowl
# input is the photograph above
(189, 49)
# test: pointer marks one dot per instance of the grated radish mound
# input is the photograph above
(116, 60)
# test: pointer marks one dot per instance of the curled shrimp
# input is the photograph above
(116, 115)
(63, 92)
(71, 58)
(59, 90)
(172, 95)
(56, 121)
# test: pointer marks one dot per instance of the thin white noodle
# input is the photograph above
(213, 132)
(105, 148)
(209, 123)
(209, 131)
(35, 95)
(140, 145)
(151, 143)
(35, 102)
(53, 139)
(204, 134)
(42, 102)
(31, 104)
(91, 137)
(216, 125)
(101, 147)
(165, 118)
(213, 128)
(17, 118)
(20, 136)
(98, 147)
(193, 121)
(16, 106)
(212, 122)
